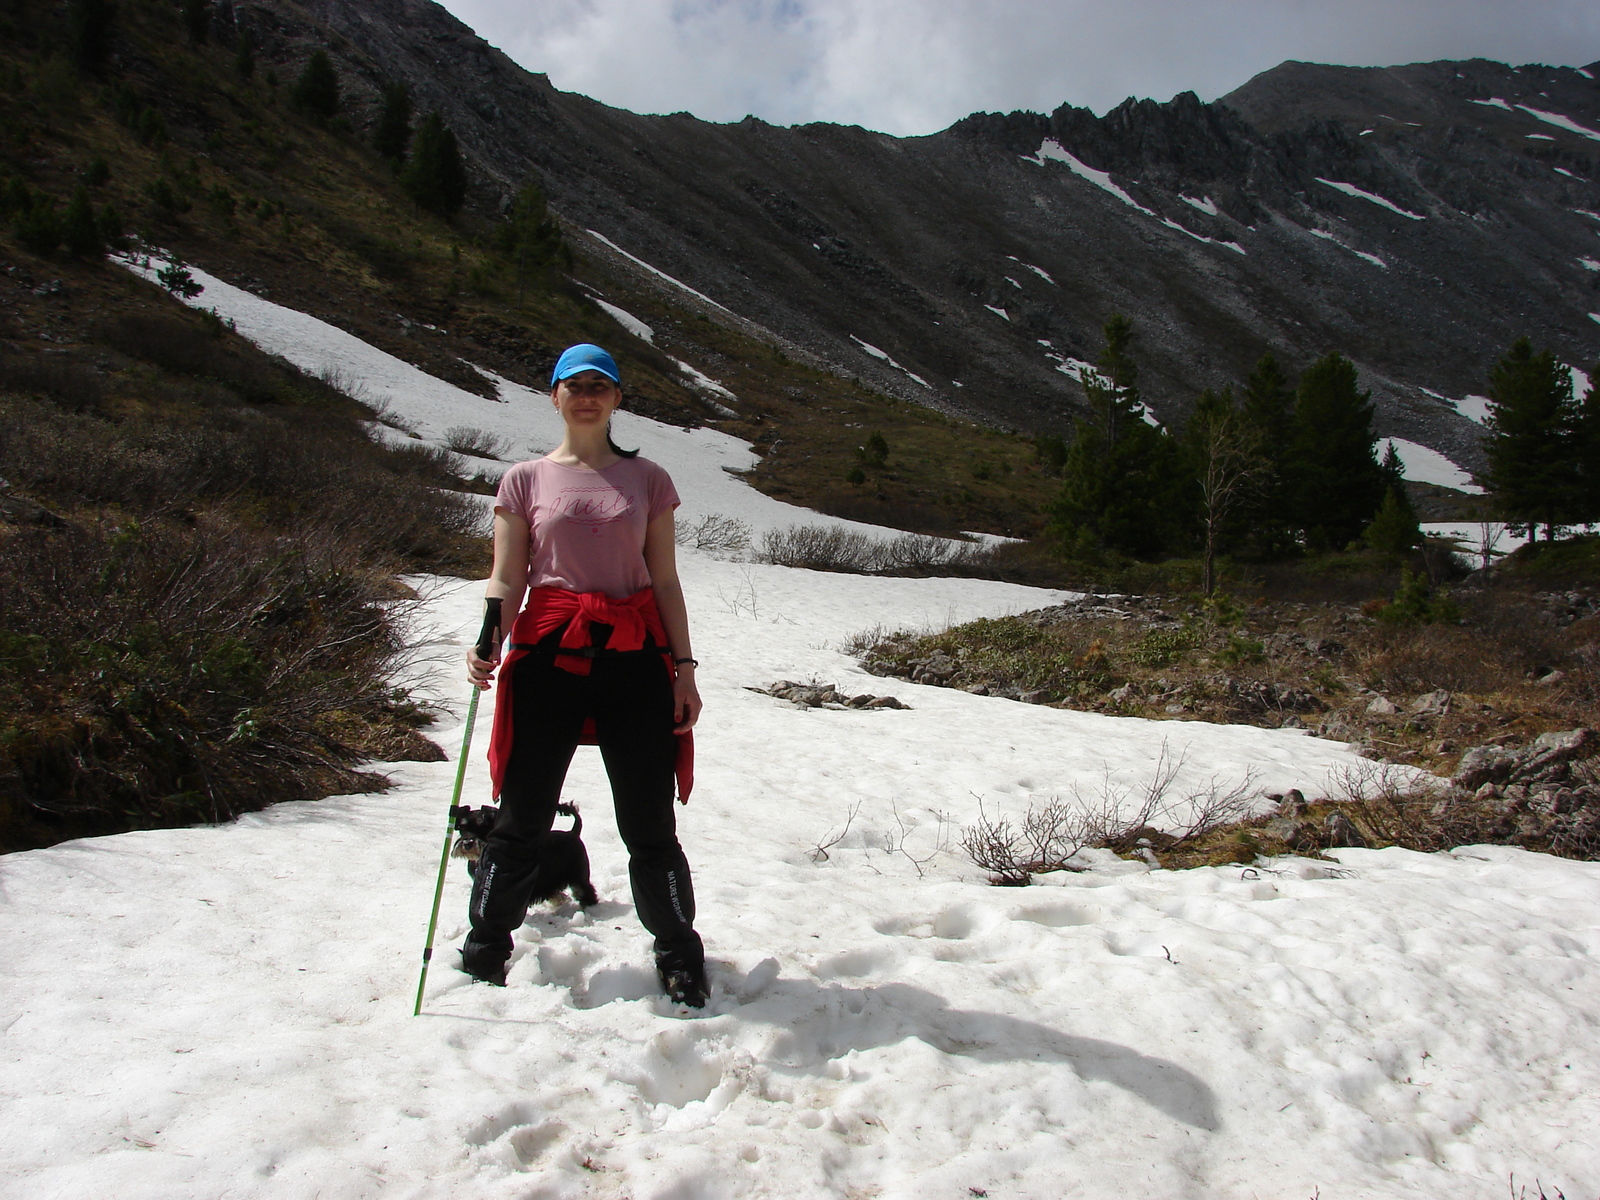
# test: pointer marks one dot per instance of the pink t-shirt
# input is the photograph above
(587, 527)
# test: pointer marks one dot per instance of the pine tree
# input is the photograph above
(436, 176)
(1531, 442)
(1586, 446)
(80, 233)
(392, 137)
(1394, 531)
(89, 28)
(244, 58)
(529, 238)
(1268, 409)
(197, 19)
(317, 89)
(1122, 484)
(1333, 481)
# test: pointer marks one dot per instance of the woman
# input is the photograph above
(586, 532)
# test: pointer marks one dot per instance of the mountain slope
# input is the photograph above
(830, 237)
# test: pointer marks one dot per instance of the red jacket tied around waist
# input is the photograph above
(547, 610)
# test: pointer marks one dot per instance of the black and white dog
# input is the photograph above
(563, 860)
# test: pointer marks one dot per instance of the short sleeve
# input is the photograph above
(663, 496)
(515, 493)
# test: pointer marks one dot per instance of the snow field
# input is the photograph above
(225, 1011)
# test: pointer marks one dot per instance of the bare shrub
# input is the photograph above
(1125, 820)
(339, 380)
(830, 548)
(917, 554)
(819, 548)
(1393, 807)
(71, 385)
(154, 675)
(715, 533)
(1503, 643)
(396, 506)
(480, 443)
(383, 412)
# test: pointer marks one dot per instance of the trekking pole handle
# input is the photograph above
(489, 636)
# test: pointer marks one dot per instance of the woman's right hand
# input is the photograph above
(480, 670)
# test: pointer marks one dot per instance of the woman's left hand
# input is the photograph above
(686, 703)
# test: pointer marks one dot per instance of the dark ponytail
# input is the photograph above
(616, 449)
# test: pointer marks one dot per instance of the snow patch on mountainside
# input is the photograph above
(1050, 150)
(1561, 122)
(626, 319)
(1039, 271)
(677, 283)
(1328, 237)
(883, 355)
(1426, 465)
(1350, 189)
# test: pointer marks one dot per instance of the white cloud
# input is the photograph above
(914, 66)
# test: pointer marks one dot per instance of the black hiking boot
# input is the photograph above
(684, 982)
(485, 963)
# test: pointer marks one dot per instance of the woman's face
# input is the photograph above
(586, 399)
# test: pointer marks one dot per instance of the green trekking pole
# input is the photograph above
(488, 641)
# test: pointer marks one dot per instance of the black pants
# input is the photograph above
(630, 698)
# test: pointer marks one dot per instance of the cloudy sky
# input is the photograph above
(914, 66)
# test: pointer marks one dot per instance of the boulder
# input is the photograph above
(1382, 706)
(1484, 764)
(1339, 830)
(1432, 703)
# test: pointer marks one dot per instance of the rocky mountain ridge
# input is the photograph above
(1417, 219)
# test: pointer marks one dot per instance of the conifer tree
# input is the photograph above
(244, 58)
(1268, 409)
(436, 176)
(80, 233)
(1334, 483)
(89, 28)
(317, 89)
(1586, 451)
(197, 19)
(1531, 440)
(1122, 484)
(529, 238)
(392, 137)
(1394, 531)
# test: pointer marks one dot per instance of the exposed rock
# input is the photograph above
(1339, 830)
(17, 510)
(1382, 706)
(1432, 703)
(823, 695)
(1484, 764)
(1548, 758)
